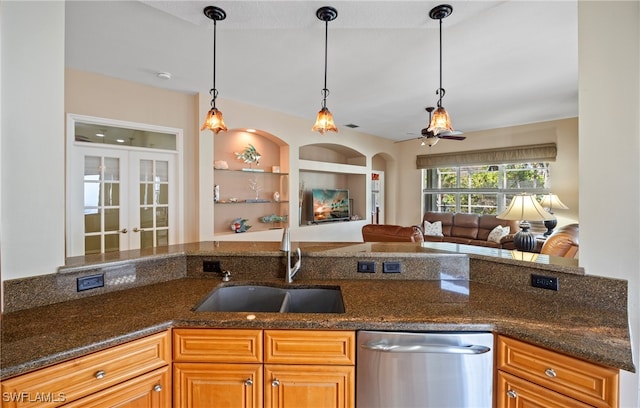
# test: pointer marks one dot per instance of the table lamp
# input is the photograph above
(524, 208)
(551, 201)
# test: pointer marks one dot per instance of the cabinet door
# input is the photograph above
(514, 392)
(152, 390)
(295, 386)
(201, 385)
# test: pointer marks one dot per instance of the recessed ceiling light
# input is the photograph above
(164, 75)
(100, 134)
(120, 140)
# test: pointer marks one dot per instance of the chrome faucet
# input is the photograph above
(285, 246)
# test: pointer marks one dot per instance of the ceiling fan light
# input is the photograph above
(440, 122)
(214, 121)
(432, 140)
(324, 122)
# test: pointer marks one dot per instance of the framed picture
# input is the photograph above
(275, 169)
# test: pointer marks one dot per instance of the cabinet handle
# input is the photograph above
(248, 382)
(100, 374)
(550, 372)
(275, 383)
(157, 387)
(512, 394)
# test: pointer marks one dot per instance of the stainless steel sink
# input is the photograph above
(259, 298)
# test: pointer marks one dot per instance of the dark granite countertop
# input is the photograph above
(40, 336)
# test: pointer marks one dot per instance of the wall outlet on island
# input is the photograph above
(211, 266)
(366, 266)
(90, 282)
(544, 282)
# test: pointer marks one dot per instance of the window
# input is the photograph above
(484, 189)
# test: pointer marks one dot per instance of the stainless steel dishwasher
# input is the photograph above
(424, 370)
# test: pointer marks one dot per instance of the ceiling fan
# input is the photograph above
(430, 139)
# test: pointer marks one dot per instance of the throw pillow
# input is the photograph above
(498, 233)
(433, 228)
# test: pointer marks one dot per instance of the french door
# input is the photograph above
(120, 199)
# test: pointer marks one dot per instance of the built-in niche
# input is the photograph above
(334, 168)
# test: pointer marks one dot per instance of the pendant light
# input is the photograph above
(324, 121)
(440, 122)
(214, 121)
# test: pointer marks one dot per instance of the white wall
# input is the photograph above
(609, 61)
(32, 217)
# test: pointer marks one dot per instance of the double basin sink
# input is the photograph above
(261, 298)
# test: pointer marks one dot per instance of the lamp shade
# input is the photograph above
(324, 122)
(214, 121)
(525, 207)
(551, 201)
(440, 122)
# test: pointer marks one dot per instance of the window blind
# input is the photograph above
(515, 154)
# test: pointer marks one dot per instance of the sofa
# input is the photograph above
(468, 229)
(563, 242)
(391, 233)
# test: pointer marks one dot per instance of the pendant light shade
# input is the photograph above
(440, 122)
(324, 121)
(214, 121)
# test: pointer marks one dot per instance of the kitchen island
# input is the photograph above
(436, 290)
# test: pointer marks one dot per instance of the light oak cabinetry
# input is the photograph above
(309, 369)
(530, 376)
(228, 368)
(133, 374)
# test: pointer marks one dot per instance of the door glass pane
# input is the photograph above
(111, 242)
(146, 194)
(162, 217)
(92, 244)
(113, 135)
(162, 171)
(146, 239)
(162, 194)
(162, 237)
(111, 194)
(112, 219)
(146, 170)
(146, 217)
(92, 166)
(92, 222)
(111, 168)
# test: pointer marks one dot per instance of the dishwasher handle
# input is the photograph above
(425, 348)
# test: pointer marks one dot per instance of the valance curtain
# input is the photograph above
(516, 154)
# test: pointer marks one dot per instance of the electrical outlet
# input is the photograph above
(90, 282)
(367, 266)
(391, 267)
(544, 282)
(211, 266)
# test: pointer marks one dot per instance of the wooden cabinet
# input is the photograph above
(274, 368)
(135, 368)
(532, 376)
(309, 369)
(217, 368)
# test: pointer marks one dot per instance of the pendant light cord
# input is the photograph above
(325, 91)
(214, 91)
(440, 91)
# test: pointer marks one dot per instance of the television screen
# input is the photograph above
(330, 205)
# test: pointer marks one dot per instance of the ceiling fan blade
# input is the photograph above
(452, 137)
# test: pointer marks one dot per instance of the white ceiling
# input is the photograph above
(504, 62)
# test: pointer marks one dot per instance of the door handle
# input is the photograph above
(426, 348)
(124, 230)
(136, 229)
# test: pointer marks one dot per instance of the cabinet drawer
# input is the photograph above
(309, 347)
(514, 392)
(82, 376)
(152, 390)
(588, 382)
(217, 345)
